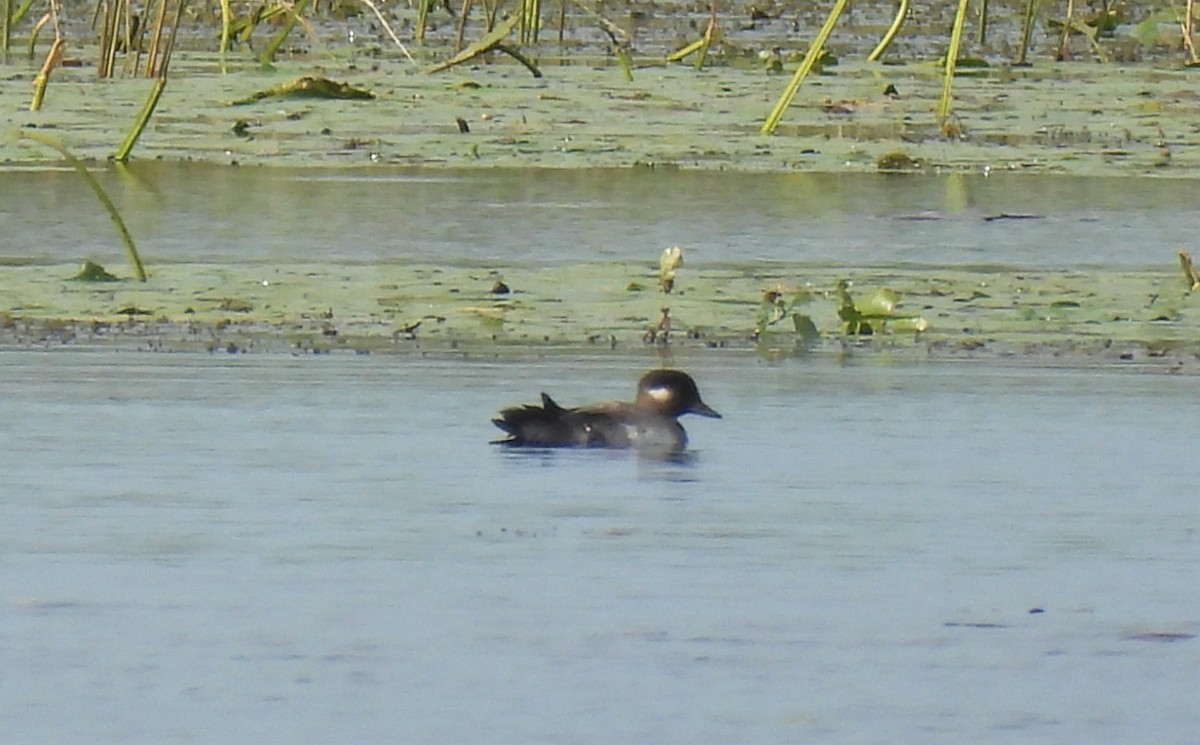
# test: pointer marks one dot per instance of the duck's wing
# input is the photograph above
(612, 424)
(616, 424)
(548, 425)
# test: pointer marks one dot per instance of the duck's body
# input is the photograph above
(648, 423)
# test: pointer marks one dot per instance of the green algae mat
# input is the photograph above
(1069, 317)
(587, 111)
(1057, 118)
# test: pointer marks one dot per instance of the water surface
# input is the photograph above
(263, 548)
(203, 213)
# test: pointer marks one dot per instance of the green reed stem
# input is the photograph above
(6, 9)
(268, 55)
(131, 250)
(531, 13)
(226, 24)
(943, 110)
(810, 59)
(886, 41)
(142, 120)
(1027, 31)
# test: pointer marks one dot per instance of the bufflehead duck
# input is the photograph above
(647, 423)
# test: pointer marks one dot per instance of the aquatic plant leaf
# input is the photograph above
(1154, 28)
(908, 323)
(484, 44)
(93, 272)
(670, 260)
(308, 86)
(1189, 270)
(847, 310)
(881, 303)
(806, 328)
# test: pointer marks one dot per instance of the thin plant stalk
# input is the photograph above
(422, 16)
(1063, 52)
(53, 57)
(6, 9)
(128, 42)
(268, 55)
(464, 14)
(810, 59)
(388, 28)
(130, 249)
(1026, 32)
(886, 41)
(625, 61)
(491, 9)
(156, 91)
(122, 154)
(226, 24)
(1188, 33)
(531, 13)
(33, 35)
(107, 46)
(709, 33)
(159, 23)
(981, 39)
(943, 110)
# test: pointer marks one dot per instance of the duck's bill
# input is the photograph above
(704, 409)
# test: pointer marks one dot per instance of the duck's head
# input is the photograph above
(673, 393)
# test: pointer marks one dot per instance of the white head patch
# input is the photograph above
(661, 394)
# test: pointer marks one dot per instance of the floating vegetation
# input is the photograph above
(668, 263)
(1189, 271)
(234, 305)
(308, 87)
(897, 161)
(491, 41)
(780, 303)
(874, 314)
(93, 272)
(1109, 316)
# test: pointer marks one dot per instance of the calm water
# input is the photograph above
(310, 550)
(188, 212)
